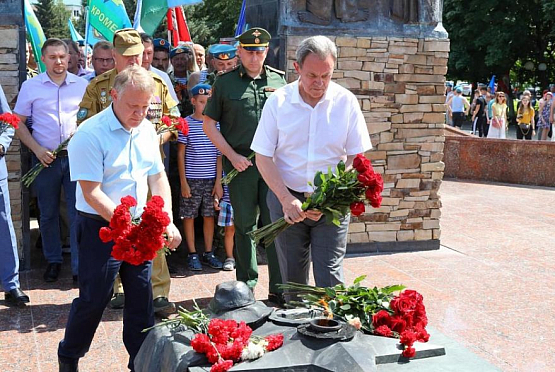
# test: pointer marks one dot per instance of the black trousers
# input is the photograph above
(482, 126)
(97, 272)
(458, 119)
(520, 134)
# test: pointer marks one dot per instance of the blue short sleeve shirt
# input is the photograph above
(102, 150)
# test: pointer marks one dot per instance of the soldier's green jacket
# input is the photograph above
(97, 97)
(237, 101)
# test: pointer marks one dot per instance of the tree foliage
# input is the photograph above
(53, 17)
(212, 19)
(498, 37)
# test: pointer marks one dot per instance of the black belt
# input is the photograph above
(62, 154)
(300, 194)
(96, 217)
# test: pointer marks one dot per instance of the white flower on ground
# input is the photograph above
(253, 351)
(355, 322)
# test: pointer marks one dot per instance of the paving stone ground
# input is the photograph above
(489, 288)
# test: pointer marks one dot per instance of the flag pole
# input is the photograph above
(86, 36)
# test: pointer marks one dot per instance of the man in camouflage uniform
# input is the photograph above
(128, 51)
(236, 103)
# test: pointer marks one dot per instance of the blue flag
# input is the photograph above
(34, 34)
(108, 16)
(241, 21)
(75, 36)
(492, 84)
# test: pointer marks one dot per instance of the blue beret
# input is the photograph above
(222, 51)
(201, 90)
(161, 43)
(180, 49)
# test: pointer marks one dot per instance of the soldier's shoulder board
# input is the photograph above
(275, 70)
(227, 71)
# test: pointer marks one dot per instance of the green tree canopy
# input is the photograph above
(498, 37)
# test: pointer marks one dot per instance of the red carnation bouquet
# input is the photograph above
(227, 342)
(335, 194)
(136, 240)
(377, 311)
(172, 123)
(8, 120)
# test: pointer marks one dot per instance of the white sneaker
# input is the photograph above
(229, 264)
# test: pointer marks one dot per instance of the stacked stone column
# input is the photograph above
(400, 84)
(9, 79)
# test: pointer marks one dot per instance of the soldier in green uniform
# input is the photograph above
(236, 103)
(128, 51)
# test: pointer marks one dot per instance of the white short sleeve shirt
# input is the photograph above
(303, 140)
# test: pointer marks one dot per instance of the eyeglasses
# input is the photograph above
(104, 60)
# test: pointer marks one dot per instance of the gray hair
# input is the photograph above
(104, 45)
(136, 77)
(319, 45)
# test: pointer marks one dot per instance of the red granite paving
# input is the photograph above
(490, 286)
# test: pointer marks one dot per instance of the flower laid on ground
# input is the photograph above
(227, 342)
(8, 120)
(406, 319)
(171, 123)
(373, 310)
(234, 172)
(136, 240)
(336, 193)
(30, 176)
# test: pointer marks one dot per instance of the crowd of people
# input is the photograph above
(489, 113)
(235, 105)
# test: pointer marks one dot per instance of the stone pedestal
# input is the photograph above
(396, 68)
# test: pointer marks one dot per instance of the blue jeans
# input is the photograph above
(97, 272)
(48, 186)
(9, 261)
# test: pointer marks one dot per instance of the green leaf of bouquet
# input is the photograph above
(359, 279)
(340, 167)
(318, 179)
(393, 288)
(330, 292)
(305, 205)
(345, 307)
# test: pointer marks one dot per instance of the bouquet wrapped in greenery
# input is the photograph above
(335, 194)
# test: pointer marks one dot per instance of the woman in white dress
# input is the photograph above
(498, 126)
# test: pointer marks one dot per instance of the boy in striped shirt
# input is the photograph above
(200, 170)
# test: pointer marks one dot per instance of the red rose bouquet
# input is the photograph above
(406, 319)
(8, 120)
(335, 194)
(373, 310)
(136, 240)
(172, 123)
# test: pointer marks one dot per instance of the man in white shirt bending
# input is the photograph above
(305, 127)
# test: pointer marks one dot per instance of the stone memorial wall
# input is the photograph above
(393, 56)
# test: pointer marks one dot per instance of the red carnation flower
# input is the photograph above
(274, 341)
(166, 121)
(383, 330)
(182, 126)
(222, 366)
(409, 352)
(357, 208)
(105, 234)
(10, 119)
